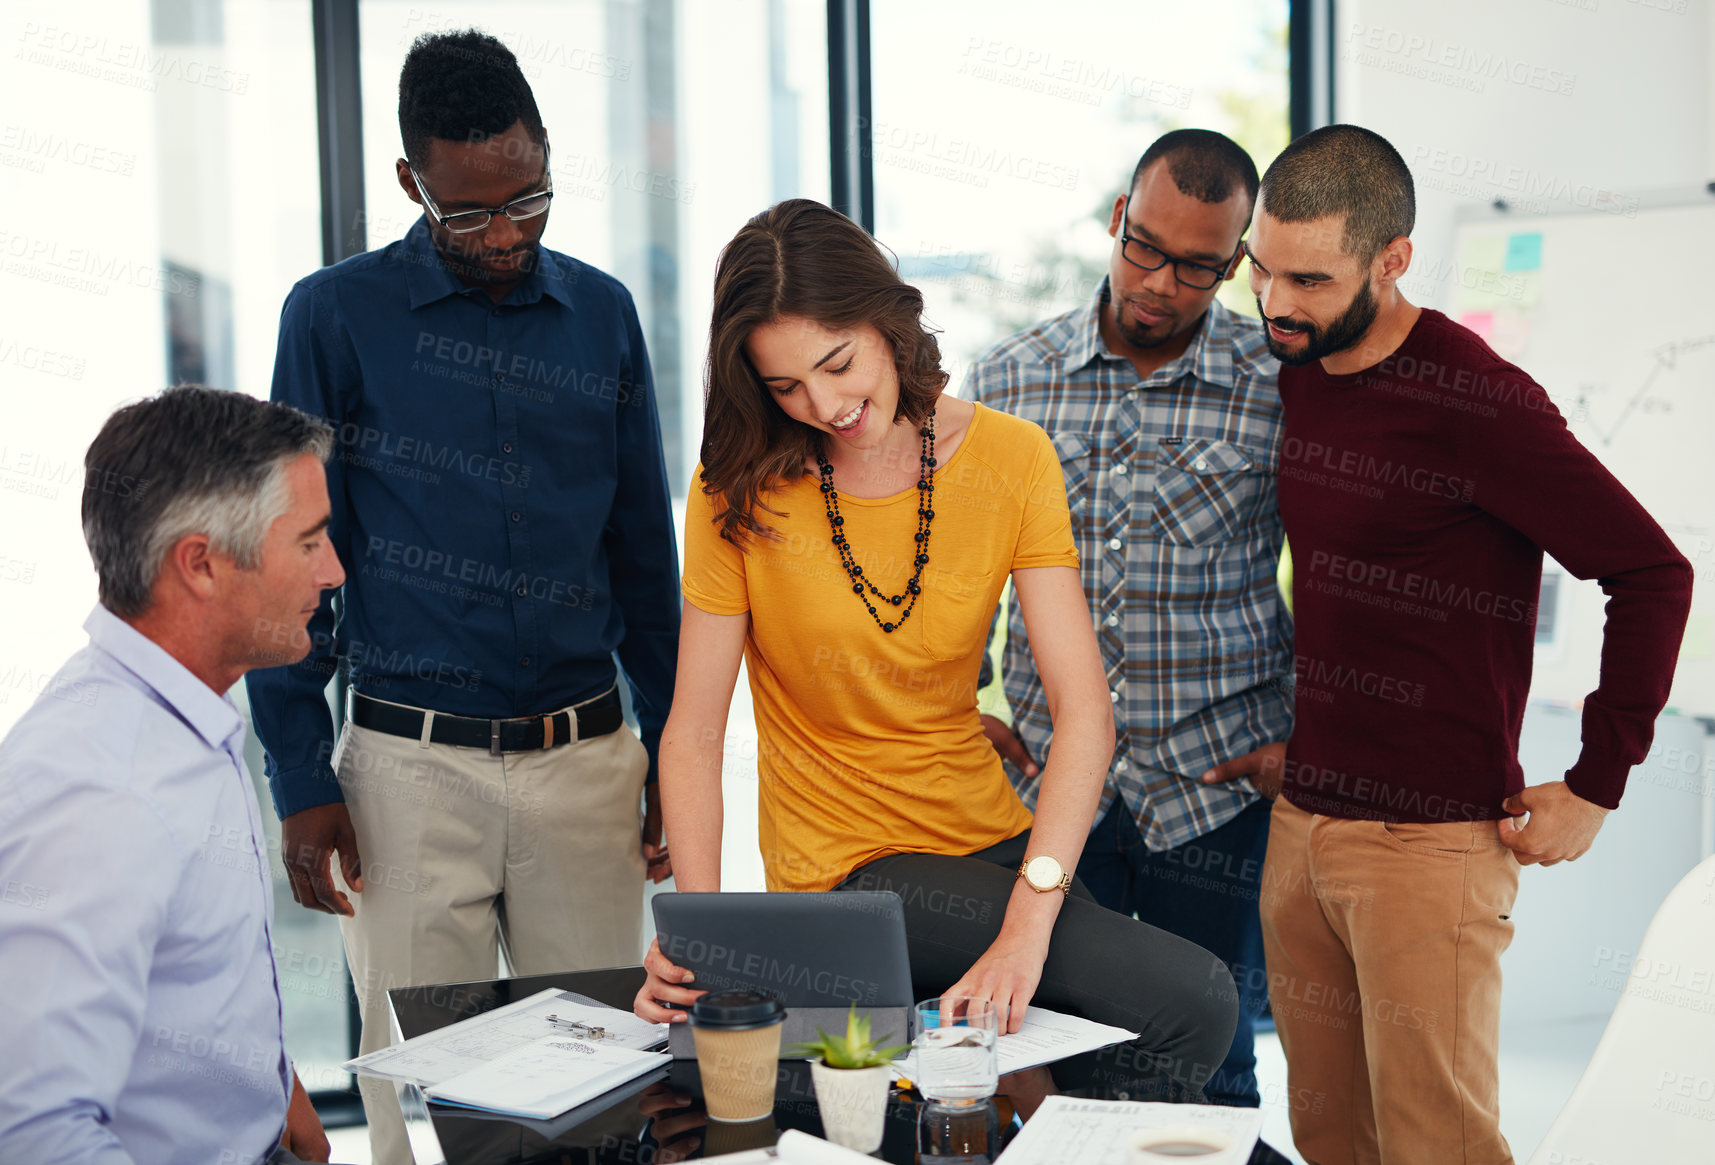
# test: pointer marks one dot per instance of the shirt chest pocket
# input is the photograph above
(1073, 449)
(956, 608)
(1205, 491)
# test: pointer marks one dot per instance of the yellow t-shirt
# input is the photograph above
(870, 742)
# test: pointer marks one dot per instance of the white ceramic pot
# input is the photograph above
(853, 1104)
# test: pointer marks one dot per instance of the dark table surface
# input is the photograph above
(663, 1121)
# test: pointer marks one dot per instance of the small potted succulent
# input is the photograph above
(852, 1074)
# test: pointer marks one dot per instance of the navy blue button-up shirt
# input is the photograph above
(500, 500)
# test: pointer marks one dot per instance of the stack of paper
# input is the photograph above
(1100, 1132)
(547, 1077)
(537, 1057)
(1044, 1037)
(797, 1148)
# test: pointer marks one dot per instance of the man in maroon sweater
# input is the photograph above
(1422, 478)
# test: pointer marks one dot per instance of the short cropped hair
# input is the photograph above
(1205, 165)
(1344, 170)
(190, 460)
(462, 87)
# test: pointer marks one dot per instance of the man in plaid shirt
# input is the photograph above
(1163, 407)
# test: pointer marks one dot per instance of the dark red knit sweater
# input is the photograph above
(1419, 496)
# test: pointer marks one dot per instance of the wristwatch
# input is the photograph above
(1042, 874)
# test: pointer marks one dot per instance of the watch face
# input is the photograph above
(1043, 873)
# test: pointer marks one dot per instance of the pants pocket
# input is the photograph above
(1451, 839)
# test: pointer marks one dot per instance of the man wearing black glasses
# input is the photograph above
(500, 504)
(1163, 406)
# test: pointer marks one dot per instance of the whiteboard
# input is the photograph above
(1614, 315)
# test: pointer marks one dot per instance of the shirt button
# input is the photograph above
(1112, 620)
(500, 376)
(1114, 544)
(522, 591)
(1200, 464)
(1120, 765)
(506, 447)
(1120, 469)
(524, 661)
(516, 516)
(1113, 697)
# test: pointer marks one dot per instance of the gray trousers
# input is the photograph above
(1101, 965)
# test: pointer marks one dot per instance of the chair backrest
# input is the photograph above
(1648, 1094)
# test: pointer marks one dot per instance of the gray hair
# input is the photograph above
(190, 460)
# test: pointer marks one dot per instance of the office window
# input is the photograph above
(162, 158)
(1000, 139)
(672, 122)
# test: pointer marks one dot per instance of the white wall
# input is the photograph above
(1549, 104)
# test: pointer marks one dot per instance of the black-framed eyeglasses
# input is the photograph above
(467, 222)
(1138, 253)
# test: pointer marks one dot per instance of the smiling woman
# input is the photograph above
(850, 539)
(835, 331)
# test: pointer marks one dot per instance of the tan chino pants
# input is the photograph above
(1383, 945)
(463, 851)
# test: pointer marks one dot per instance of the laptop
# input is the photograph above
(820, 953)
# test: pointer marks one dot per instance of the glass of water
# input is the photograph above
(953, 1043)
(961, 1134)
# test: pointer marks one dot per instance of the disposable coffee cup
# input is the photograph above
(1186, 1143)
(738, 1052)
(738, 1137)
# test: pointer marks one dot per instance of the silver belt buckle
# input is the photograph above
(494, 738)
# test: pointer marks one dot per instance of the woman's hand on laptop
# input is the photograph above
(665, 985)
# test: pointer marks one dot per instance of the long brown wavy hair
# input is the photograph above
(797, 258)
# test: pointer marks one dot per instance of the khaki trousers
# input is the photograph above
(1383, 945)
(463, 851)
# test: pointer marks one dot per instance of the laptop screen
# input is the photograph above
(813, 950)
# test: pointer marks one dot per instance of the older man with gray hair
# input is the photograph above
(144, 1018)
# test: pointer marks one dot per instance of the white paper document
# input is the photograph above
(552, 1128)
(1099, 1132)
(798, 1148)
(470, 1043)
(546, 1077)
(1044, 1037)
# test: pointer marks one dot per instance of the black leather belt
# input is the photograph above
(525, 734)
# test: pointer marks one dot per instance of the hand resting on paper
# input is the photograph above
(1007, 974)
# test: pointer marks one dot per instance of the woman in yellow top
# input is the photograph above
(850, 539)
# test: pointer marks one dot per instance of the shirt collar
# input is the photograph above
(428, 279)
(1209, 357)
(1087, 341)
(212, 716)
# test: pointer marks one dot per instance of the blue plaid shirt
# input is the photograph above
(1171, 482)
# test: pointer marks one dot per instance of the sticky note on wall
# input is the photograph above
(1484, 253)
(1524, 251)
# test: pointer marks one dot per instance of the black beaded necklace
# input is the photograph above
(925, 515)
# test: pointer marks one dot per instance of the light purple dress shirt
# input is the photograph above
(141, 1021)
